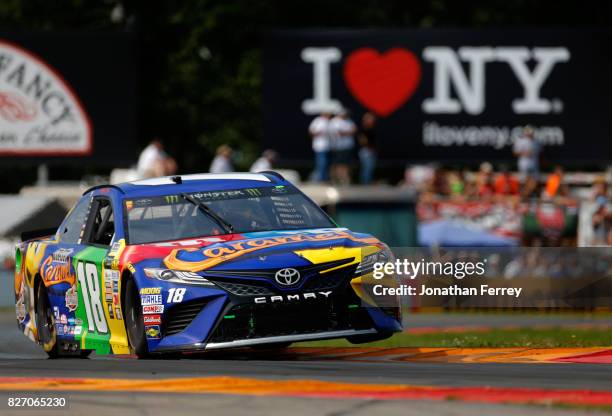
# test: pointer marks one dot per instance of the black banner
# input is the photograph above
(447, 95)
(68, 97)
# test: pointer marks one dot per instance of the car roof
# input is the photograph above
(201, 182)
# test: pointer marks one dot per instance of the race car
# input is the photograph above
(194, 263)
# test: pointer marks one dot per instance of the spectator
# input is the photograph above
(530, 188)
(484, 180)
(527, 151)
(154, 161)
(601, 215)
(265, 162)
(222, 163)
(505, 183)
(419, 177)
(319, 132)
(456, 184)
(554, 184)
(342, 132)
(367, 151)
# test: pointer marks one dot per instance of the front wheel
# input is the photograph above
(45, 323)
(134, 324)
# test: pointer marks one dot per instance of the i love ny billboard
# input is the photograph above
(445, 95)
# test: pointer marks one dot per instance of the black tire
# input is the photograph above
(45, 323)
(362, 339)
(134, 324)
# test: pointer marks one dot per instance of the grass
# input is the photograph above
(495, 338)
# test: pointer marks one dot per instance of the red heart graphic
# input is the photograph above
(382, 82)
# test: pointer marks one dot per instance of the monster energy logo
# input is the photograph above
(253, 192)
(171, 199)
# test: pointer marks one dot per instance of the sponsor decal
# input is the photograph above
(20, 309)
(220, 253)
(72, 298)
(54, 272)
(280, 189)
(118, 313)
(153, 332)
(78, 330)
(151, 309)
(151, 300)
(292, 298)
(175, 295)
(111, 276)
(253, 192)
(60, 329)
(63, 319)
(109, 308)
(39, 112)
(62, 255)
(221, 194)
(131, 268)
(142, 202)
(150, 291)
(56, 313)
(172, 199)
(152, 319)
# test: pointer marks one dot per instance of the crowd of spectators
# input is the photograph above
(485, 183)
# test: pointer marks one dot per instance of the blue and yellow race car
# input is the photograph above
(197, 262)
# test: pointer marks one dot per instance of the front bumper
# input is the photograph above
(270, 340)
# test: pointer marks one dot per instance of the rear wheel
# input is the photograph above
(45, 323)
(134, 324)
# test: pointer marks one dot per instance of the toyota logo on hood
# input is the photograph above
(287, 276)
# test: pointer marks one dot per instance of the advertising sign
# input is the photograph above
(67, 96)
(39, 113)
(449, 95)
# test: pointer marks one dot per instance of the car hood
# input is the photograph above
(269, 250)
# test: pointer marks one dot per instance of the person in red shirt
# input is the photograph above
(505, 183)
(484, 180)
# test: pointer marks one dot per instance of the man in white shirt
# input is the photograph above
(154, 161)
(319, 132)
(265, 162)
(222, 163)
(527, 151)
(342, 133)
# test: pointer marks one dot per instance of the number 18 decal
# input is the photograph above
(175, 295)
(87, 273)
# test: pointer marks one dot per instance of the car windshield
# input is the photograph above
(176, 217)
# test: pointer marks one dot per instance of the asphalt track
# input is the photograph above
(19, 357)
